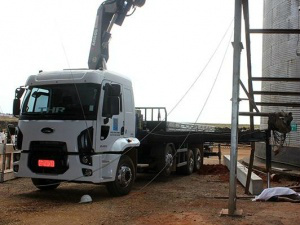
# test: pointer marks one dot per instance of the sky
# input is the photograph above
(163, 47)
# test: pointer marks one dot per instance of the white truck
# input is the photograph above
(73, 126)
(82, 125)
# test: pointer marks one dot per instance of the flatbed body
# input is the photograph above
(158, 130)
(155, 133)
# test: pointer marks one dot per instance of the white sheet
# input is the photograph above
(276, 191)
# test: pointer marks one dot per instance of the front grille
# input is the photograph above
(48, 150)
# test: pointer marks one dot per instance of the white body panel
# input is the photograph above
(64, 131)
(129, 112)
(107, 150)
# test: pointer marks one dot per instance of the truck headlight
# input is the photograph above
(85, 146)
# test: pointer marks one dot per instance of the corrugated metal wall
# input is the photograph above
(281, 58)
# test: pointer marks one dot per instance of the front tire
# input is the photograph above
(124, 179)
(45, 184)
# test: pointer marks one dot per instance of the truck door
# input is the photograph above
(110, 126)
(129, 112)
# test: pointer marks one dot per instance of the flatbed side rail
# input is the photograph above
(157, 116)
(151, 118)
(200, 137)
(149, 112)
(174, 126)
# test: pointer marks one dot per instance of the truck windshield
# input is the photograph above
(62, 101)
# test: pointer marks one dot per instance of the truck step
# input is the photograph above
(181, 164)
(182, 150)
(142, 165)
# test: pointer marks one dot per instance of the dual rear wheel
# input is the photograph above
(194, 159)
(198, 159)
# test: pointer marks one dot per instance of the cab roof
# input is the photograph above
(76, 76)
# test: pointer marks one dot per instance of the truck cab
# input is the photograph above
(77, 125)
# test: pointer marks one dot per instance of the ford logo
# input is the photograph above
(47, 130)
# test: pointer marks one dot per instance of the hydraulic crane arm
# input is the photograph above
(109, 13)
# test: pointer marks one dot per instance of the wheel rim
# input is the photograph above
(169, 160)
(124, 176)
(198, 160)
(191, 163)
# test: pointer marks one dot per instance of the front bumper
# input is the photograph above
(103, 169)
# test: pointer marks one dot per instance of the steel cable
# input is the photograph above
(203, 107)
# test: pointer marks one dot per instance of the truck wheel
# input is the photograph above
(167, 161)
(198, 159)
(45, 184)
(125, 177)
(189, 167)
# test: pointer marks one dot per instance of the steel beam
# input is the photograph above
(235, 106)
(276, 93)
(286, 104)
(255, 114)
(293, 79)
(252, 104)
(268, 157)
(274, 31)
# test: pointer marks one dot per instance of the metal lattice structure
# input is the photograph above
(281, 29)
(281, 58)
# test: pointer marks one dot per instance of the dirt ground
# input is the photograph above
(194, 199)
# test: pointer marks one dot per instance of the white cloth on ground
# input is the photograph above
(276, 191)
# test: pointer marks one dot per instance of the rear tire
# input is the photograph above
(189, 167)
(167, 161)
(124, 179)
(198, 159)
(45, 184)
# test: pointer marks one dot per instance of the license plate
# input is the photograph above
(46, 163)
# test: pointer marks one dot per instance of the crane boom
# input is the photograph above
(109, 13)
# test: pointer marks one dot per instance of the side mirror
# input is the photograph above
(115, 90)
(16, 107)
(111, 106)
(17, 102)
(115, 105)
(19, 92)
(112, 89)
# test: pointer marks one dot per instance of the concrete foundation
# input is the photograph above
(256, 183)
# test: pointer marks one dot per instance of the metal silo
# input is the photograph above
(281, 58)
